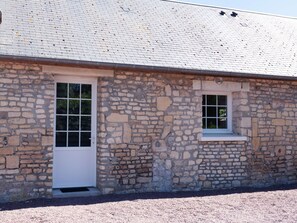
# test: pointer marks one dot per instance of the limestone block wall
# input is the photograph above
(274, 125)
(150, 134)
(26, 131)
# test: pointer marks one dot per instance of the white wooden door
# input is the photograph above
(74, 163)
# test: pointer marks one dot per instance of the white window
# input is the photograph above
(217, 112)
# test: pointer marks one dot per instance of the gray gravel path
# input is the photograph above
(227, 206)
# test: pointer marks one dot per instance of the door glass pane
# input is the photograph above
(73, 139)
(73, 106)
(86, 106)
(62, 90)
(85, 139)
(61, 122)
(73, 123)
(61, 139)
(86, 123)
(61, 106)
(86, 91)
(74, 90)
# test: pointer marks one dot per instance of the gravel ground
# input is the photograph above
(277, 205)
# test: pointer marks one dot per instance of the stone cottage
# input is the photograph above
(129, 96)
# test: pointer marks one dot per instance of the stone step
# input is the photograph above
(57, 193)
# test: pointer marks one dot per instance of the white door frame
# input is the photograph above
(81, 80)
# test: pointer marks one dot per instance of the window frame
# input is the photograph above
(228, 130)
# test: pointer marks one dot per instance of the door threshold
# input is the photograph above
(73, 192)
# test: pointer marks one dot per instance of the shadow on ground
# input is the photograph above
(36, 203)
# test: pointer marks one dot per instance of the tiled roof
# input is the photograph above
(150, 33)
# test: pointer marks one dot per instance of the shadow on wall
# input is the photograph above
(37, 203)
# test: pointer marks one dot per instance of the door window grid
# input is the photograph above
(215, 112)
(67, 137)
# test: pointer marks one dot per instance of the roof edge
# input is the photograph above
(134, 67)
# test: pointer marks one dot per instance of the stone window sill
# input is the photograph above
(217, 137)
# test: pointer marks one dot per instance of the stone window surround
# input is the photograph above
(227, 88)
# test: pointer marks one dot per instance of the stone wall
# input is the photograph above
(274, 125)
(26, 132)
(149, 133)
(155, 119)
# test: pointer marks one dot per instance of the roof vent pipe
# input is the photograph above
(234, 14)
(222, 13)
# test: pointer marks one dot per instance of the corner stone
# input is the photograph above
(256, 143)
(12, 162)
(14, 141)
(168, 90)
(163, 103)
(47, 140)
(114, 117)
(127, 133)
(196, 84)
(166, 132)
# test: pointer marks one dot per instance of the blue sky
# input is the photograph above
(279, 7)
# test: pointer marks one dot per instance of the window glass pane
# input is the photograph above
(222, 100)
(211, 123)
(211, 111)
(61, 106)
(61, 139)
(222, 111)
(74, 90)
(86, 91)
(73, 139)
(86, 106)
(73, 123)
(61, 122)
(85, 139)
(203, 99)
(62, 90)
(86, 123)
(73, 106)
(203, 111)
(222, 123)
(204, 123)
(211, 99)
